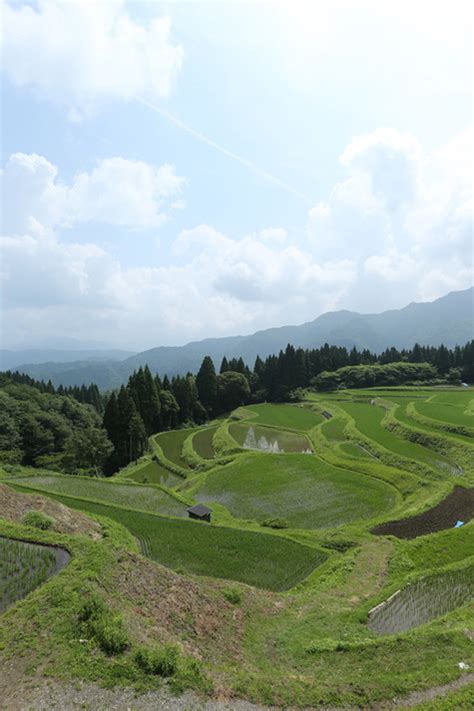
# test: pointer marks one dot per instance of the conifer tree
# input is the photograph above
(206, 382)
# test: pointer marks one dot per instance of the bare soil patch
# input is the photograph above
(457, 506)
(13, 506)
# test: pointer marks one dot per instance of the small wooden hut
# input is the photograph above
(200, 512)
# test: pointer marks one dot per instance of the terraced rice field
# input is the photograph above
(152, 472)
(368, 420)
(286, 416)
(446, 413)
(302, 489)
(202, 443)
(172, 445)
(268, 439)
(26, 566)
(423, 601)
(259, 559)
(129, 496)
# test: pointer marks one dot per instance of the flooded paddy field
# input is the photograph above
(269, 439)
(25, 566)
(423, 601)
(457, 506)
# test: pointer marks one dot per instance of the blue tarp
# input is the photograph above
(458, 524)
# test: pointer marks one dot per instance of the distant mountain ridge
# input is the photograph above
(447, 320)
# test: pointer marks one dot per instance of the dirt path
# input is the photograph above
(56, 696)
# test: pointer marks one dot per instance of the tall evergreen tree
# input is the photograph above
(206, 382)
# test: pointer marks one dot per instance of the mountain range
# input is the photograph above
(447, 320)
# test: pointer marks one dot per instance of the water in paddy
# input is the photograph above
(25, 566)
(267, 443)
(423, 601)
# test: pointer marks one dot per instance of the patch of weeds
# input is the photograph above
(233, 596)
(340, 546)
(106, 629)
(38, 519)
(162, 661)
(275, 523)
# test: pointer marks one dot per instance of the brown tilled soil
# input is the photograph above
(13, 506)
(457, 506)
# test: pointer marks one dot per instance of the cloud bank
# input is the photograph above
(397, 228)
(81, 54)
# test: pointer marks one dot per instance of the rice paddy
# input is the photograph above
(24, 567)
(423, 601)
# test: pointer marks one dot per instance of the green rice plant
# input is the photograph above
(133, 496)
(287, 416)
(24, 567)
(149, 471)
(303, 489)
(267, 561)
(202, 443)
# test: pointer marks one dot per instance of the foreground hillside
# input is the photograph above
(322, 511)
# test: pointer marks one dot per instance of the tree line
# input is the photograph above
(87, 394)
(148, 404)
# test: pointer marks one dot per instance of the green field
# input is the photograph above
(172, 445)
(152, 472)
(197, 548)
(256, 437)
(131, 496)
(202, 443)
(291, 416)
(302, 489)
(368, 420)
(446, 413)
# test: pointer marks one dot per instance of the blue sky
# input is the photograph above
(122, 227)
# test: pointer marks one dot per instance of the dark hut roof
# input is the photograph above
(199, 510)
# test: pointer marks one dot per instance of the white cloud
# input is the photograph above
(403, 216)
(374, 244)
(81, 53)
(119, 192)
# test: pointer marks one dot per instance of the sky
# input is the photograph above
(184, 170)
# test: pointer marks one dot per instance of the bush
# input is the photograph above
(38, 519)
(91, 608)
(110, 634)
(233, 596)
(107, 630)
(162, 661)
(275, 523)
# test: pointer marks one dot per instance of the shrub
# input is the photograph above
(110, 634)
(38, 519)
(91, 608)
(107, 630)
(233, 596)
(275, 523)
(162, 661)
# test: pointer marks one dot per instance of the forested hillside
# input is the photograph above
(41, 428)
